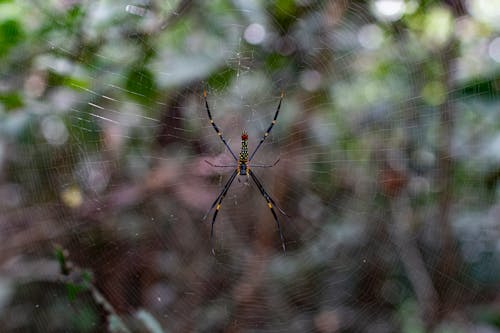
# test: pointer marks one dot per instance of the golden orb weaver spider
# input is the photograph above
(243, 168)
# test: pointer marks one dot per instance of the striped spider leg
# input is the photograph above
(243, 168)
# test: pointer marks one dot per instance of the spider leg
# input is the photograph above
(269, 128)
(256, 180)
(270, 204)
(215, 126)
(228, 183)
(217, 204)
(265, 165)
(220, 166)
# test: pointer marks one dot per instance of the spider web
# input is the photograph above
(114, 169)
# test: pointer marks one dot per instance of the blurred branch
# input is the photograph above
(78, 279)
(412, 260)
(161, 24)
(449, 257)
(458, 7)
(393, 182)
(176, 14)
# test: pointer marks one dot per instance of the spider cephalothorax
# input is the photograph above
(243, 168)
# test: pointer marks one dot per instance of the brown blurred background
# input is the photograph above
(389, 146)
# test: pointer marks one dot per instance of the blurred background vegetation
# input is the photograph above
(389, 147)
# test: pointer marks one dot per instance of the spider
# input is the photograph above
(244, 168)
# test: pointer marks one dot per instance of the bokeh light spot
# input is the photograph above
(370, 36)
(54, 130)
(254, 33)
(72, 197)
(494, 49)
(135, 10)
(389, 10)
(310, 80)
(486, 11)
(434, 93)
(438, 27)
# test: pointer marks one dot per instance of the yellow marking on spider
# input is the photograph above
(274, 121)
(270, 205)
(204, 92)
(218, 207)
(211, 121)
(219, 133)
(266, 134)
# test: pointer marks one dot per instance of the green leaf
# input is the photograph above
(85, 319)
(61, 259)
(221, 79)
(11, 100)
(87, 279)
(141, 84)
(285, 13)
(11, 33)
(276, 62)
(72, 290)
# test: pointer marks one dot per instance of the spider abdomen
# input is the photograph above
(243, 169)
